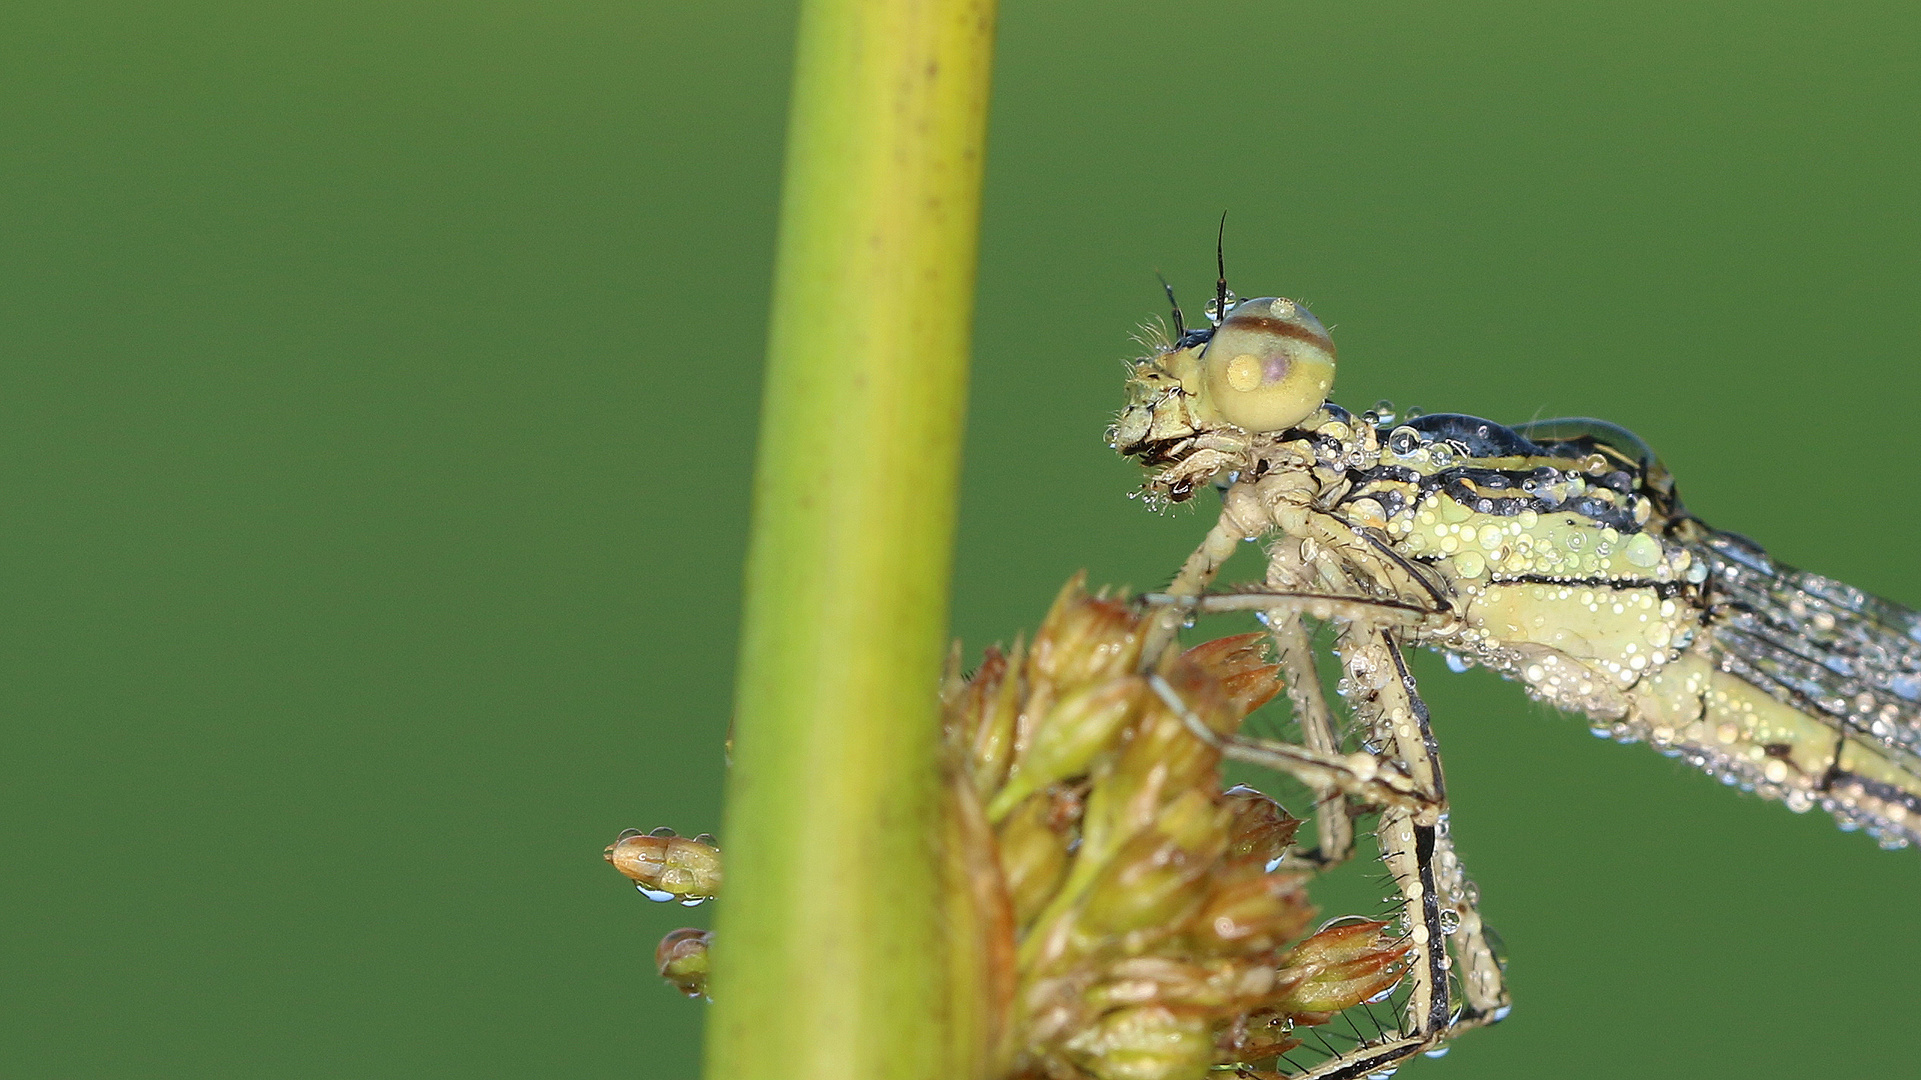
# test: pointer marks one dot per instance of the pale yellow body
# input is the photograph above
(1567, 565)
(1554, 553)
(1636, 663)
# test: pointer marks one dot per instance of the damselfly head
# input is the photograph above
(1194, 405)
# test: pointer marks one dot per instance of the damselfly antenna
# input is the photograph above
(1180, 326)
(1220, 264)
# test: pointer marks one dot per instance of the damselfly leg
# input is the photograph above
(1453, 981)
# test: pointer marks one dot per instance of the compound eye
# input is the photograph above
(1269, 365)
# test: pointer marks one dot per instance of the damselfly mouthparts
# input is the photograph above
(1556, 553)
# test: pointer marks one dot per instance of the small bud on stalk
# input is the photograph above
(681, 957)
(666, 866)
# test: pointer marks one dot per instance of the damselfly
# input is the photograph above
(1556, 553)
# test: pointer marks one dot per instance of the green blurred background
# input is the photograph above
(378, 395)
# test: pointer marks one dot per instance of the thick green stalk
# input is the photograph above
(829, 960)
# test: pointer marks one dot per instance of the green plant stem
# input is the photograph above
(829, 957)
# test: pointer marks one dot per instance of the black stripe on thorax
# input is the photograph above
(1666, 590)
(1474, 487)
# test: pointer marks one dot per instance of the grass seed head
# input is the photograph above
(1122, 917)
